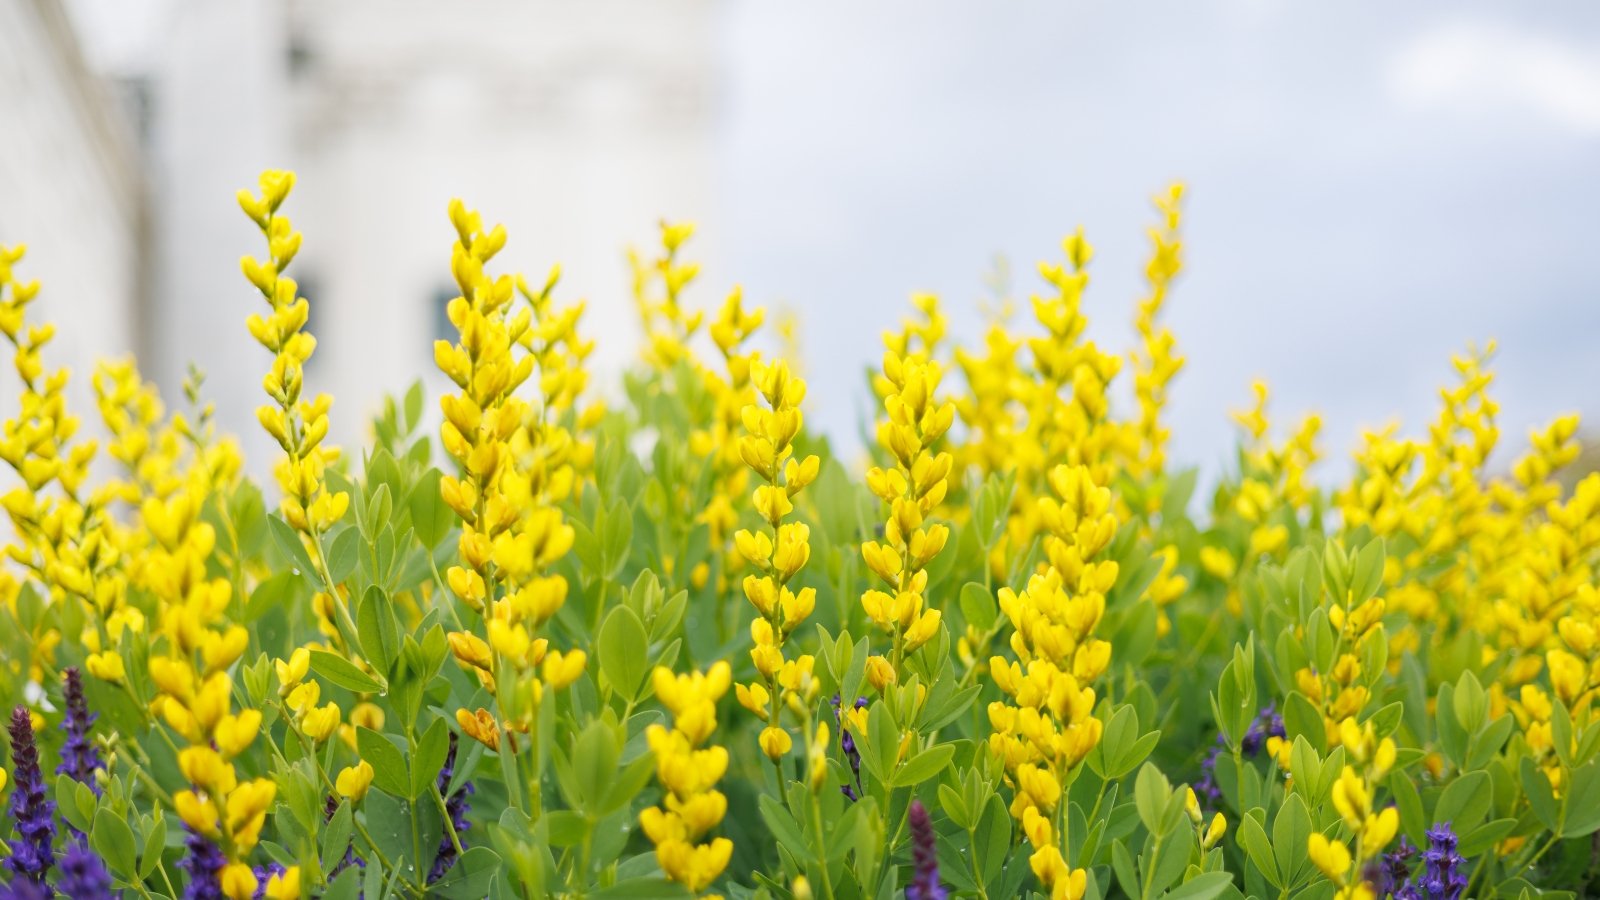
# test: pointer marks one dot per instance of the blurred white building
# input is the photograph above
(576, 125)
(70, 189)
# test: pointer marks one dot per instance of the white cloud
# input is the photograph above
(1474, 68)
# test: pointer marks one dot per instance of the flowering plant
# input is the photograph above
(680, 649)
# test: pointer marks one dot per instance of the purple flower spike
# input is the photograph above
(79, 756)
(204, 862)
(83, 874)
(1442, 875)
(23, 889)
(924, 853)
(457, 807)
(847, 746)
(32, 851)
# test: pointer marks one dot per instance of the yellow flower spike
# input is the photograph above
(353, 781)
(1219, 827)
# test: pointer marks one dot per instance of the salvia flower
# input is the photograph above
(1388, 874)
(924, 853)
(23, 889)
(32, 851)
(1442, 876)
(79, 756)
(457, 807)
(204, 862)
(83, 874)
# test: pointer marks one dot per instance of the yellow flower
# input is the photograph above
(106, 666)
(1332, 857)
(284, 885)
(239, 882)
(353, 781)
(561, 670)
(775, 742)
(319, 723)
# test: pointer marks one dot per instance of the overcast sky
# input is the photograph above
(1372, 186)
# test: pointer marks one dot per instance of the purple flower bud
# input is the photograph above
(925, 856)
(457, 807)
(83, 874)
(79, 756)
(32, 851)
(204, 862)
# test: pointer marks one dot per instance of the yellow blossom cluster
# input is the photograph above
(778, 551)
(516, 462)
(719, 441)
(913, 488)
(1370, 829)
(688, 771)
(1047, 726)
(296, 423)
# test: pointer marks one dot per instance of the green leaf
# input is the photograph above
(431, 518)
(647, 888)
(1290, 832)
(785, 828)
(594, 764)
(1368, 574)
(1412, 821)
(1301, 719)
(1540, 796)
(628, 783)
(1151, 791)
(431, 752)
(380, 638)
(1465, 802)
(978, 606)
(882, 744)
(1201, 887)
(924, 765)
(343, 672)
(388, 763)
(113, 840)
(289, 543)
(155, 841)
(336, 834)
(1253, 838)
(344, 555)
(624, 651)
(1583, 804)
(470, 877)
(274, 593)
